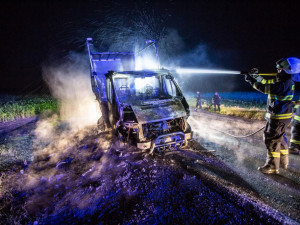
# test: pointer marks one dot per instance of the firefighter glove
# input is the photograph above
(254, 73)
(257, 77)
(249, 79)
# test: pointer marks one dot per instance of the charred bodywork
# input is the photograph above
(146, 107)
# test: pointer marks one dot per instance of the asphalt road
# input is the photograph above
(245, 155)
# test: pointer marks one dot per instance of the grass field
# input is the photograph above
(15, 107)
(250, 105)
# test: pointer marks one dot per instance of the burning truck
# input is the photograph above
(144, 107)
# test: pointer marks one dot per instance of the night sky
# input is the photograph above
(237, 35)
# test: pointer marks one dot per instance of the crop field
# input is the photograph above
(250, 105)
(15, 148)
(16, 107)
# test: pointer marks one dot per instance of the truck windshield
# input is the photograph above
(134, 90)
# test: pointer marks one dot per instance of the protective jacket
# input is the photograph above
(280, 94)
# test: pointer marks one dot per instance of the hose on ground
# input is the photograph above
(244, 136)
(248, 135)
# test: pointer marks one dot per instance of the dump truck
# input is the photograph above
(144, 107)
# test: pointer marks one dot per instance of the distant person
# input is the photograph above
(279, 111)
(216, 101)
(294, 147)
(198, 104)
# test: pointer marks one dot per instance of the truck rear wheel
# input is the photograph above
(101, 124)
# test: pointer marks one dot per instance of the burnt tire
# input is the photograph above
(188, 127)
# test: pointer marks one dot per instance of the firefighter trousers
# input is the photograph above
(199, 104)
(295, 130)
(276, 142)
(217, 105)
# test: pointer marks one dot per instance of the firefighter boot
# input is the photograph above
(271, 166)
(284, 161)
(268, 169)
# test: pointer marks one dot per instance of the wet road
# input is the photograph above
(245, 155)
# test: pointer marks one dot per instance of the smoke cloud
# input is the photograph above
(70, 84)
(197, 57)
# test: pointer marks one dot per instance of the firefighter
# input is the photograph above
(279, 111)
(294, 147)
(216, 101)
(198, 101)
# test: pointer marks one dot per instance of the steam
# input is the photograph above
(198, 56)
(146, 61)
(70, 84)
(210, 133)
(186, 62)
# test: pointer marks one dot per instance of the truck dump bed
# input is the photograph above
(102, 62)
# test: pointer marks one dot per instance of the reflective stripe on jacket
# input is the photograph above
(280, 94)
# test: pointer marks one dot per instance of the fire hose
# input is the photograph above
(244, 136)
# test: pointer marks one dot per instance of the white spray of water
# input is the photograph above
(146, 61)
(204, 71)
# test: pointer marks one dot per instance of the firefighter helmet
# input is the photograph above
(290, 65)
